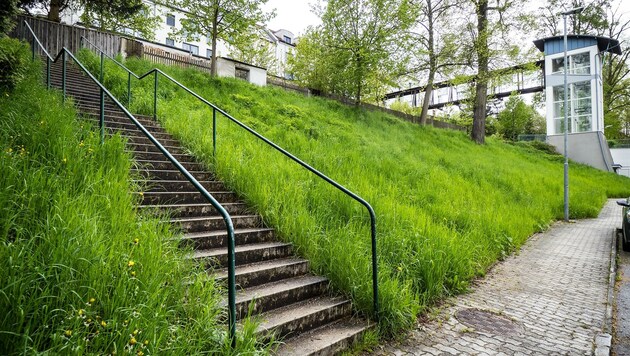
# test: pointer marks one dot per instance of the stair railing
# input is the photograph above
(224, 214)
(215, 109)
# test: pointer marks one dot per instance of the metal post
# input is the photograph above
(128, 89)
(232, 287)
(102, 116)
(155, 87)
(63, 73)
(374, 264)
(566, 125)
(48, 72)
(102, 74)
(566, 113)
(33, 47)
(214, 133)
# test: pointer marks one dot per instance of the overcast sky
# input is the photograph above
(296, 15)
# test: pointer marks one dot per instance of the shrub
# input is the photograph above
(14, 57)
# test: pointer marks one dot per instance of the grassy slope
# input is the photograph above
(446, 208)
(82, 271)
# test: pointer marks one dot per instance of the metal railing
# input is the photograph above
(103, 91)
(215, 109)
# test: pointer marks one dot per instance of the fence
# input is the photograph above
(54, 36)
(286, 84)
(160, 56)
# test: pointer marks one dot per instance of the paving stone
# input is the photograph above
(548, 299)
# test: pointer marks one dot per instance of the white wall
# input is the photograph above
(622, 156)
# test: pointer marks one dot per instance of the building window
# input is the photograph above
(209, 53)
(580, 107)
(170, 42)
(190, 48)
(170, 20)
(287, 39)
(579, 63)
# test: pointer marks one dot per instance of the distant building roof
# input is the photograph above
(555, 44)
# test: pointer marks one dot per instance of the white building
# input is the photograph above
(585, 113)
(282, 41)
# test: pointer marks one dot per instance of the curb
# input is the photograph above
(603, 341)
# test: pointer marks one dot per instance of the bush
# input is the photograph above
(14, 57)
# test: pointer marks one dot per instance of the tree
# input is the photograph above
(490, 40)
(593, 20)
(436, 40)
(366, 34)
(519, 118)
(256, 51)
(119, 15)
(222, 19)
(8, 10)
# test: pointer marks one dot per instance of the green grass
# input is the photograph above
(447, 209)
(83, 272)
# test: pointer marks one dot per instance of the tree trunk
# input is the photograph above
(478, 133)
(432, 66)
(55, 10)
(214, 33)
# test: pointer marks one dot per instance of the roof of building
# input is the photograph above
(603, 43)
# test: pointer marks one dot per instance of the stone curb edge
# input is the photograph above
(603, 341)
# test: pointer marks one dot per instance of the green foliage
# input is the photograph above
(446, 208)
(353, 52)
(8, 11)
(14, 57)
(121, 15)
(519, 118)
(256, 51)
(83, 272)
(233, 21)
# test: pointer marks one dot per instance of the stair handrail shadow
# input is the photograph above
(215, 109)
(63, 53)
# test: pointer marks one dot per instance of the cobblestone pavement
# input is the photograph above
(549, 299)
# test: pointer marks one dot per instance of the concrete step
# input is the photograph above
(274, 295)
(152, 198)
(204, 224)
(207, 240)
(178, 185)
(165, 163)
(123, 122)
(148, 156)
(190, 210)
(150, 147)
(293, 319)
(135, 132)
(330, 339)
(119, 116)
(265, 272)
(245, 254)
(172, 174)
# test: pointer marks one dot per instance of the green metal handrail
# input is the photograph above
(226, 216)
(215, 109)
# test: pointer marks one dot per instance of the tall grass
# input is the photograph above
(447, 208)
(83, 272)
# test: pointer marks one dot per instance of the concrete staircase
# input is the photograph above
(292, 304)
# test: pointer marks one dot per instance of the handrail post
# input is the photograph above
(63, 74)
(374, 264)
(128, 88)
(214, 134)
(232, 286)
(155, 87)
(102, 74)
(48, 72)
(33, 47)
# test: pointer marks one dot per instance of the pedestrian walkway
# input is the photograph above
(549, 299)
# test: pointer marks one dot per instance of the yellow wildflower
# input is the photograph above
(136, 240)
(92, 300)
(68, 333)
(132, 341)
(130, 264)
(135, 332)
(81, 312)
(133, 273)
(65, 160)
(146, 342)
(140, 353)
(103, 323)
